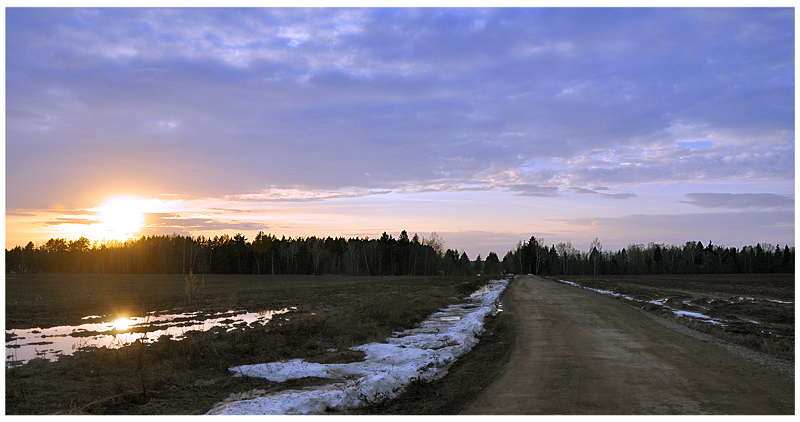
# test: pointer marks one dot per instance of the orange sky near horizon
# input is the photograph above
(484, 125)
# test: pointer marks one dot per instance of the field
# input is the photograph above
(756, 310)
(189, 376)
(333, 313)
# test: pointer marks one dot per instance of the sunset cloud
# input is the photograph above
(346, 107)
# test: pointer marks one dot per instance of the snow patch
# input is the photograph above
(604, 292)
(692, 315)
(660, 302)
(422, 353)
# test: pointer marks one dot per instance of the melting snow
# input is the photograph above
(604, 292)
(660, 302)
(425, 353)
(692, 314)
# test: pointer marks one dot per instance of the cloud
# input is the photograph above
(669, 163)
(740, 200)
(723, 228)
(21, 213)
(536, 191)
(319, 98)
(302, 195)
(276, 108)
(161, 223)
(603, 194)
(66, 220)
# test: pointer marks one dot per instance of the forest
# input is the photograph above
(266, 254)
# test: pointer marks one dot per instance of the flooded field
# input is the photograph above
(182, 367)
(22, 345)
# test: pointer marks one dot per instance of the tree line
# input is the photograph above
(266, 254)
(534, 257)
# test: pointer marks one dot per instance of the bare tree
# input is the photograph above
(565, 251)
(596, 253)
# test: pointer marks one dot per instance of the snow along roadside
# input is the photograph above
(425, 353)
(776, 364)
(695, 315)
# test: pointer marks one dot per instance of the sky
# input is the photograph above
(486, 126)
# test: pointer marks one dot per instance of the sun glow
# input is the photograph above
(121, 217)
(122, 324)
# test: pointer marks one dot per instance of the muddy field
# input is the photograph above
(756, 311)
(333, 313)
(189, 376)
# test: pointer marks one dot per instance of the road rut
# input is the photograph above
(579, 352)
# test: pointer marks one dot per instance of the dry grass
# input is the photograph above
(769, 301)
(189, 376)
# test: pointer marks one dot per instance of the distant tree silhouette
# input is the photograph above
(492, 264)
(267, 254)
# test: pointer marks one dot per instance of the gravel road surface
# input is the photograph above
(579, 352)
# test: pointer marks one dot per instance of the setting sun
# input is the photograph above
(122, 217)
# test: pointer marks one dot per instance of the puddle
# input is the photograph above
(23, 345)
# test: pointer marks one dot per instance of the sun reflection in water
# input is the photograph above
(49, 343)
(122, 324)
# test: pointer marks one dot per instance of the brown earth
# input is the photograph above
(190, 376)
(578, 352)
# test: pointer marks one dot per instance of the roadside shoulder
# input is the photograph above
(782, 366)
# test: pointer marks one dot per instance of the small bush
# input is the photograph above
(195, 289)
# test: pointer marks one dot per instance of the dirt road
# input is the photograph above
(579, 352)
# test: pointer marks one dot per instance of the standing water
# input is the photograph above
(23, 345)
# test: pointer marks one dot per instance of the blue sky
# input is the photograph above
(484, 125)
